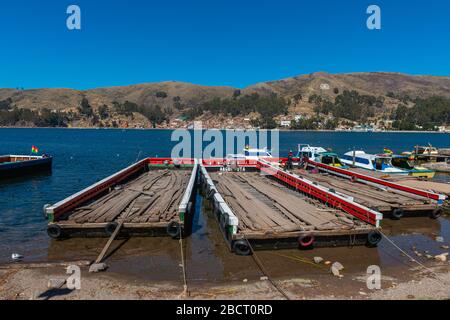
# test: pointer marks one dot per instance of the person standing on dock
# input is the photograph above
(289, 163)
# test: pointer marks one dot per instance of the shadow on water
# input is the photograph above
(10, 181)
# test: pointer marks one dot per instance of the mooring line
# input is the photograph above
(300, 259)
(264, 271)
(418, 262)
(183, 265)
(138, 156)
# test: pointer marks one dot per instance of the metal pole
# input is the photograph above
(354, 156)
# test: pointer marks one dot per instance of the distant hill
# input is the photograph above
(177, 97)
(143, 94)
(378, 83)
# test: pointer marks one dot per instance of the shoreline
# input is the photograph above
(30, 283)
(223, 129)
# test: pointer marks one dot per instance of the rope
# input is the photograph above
(442, 280)
(264, 271)
(183, 265)
(300, 259)
(354, 240)
(138, 156)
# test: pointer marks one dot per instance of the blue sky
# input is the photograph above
(215, 42)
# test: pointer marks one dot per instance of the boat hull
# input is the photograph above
(351, 165)
(428, 174)
(20, 168)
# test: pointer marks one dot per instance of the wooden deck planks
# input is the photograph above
(367, 195)
(152, 197)
(264, 206)
(301, 209)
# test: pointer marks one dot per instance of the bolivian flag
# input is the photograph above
(388, 151)
(34, 150)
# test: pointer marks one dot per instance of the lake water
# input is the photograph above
(82, 157)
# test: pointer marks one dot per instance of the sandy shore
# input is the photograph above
(21, 282)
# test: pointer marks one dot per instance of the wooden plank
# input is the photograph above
(108, 244)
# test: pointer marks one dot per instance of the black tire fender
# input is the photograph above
(436, 213)
(306, 240)
(174, 229)
(54, 231)
(242, 248)
(111, 227)
(211, 194)
(374, 238)
(398, 213)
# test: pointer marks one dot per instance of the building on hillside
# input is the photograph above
(388, 124)
(285, 123)
(363, 128)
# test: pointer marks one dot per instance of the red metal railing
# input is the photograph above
(392, 185)
(170, 161)
(221, 162)
(363, 213)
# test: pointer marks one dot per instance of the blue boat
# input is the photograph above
(13, 165)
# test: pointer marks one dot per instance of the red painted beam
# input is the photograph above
(221, 162)
(392, 185)
(363, 213)
(170, 161)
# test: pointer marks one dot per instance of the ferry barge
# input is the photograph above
(259, 206)
(154, 197)
(389, 197)
(17, 165)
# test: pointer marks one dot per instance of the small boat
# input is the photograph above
(404, 162)
(380, 163)
(307, 151)
(331, 159)
(318, 154)
(251, 154)
(13, 165)
(427, 151)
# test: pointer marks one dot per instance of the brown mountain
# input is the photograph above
(190, 95)
(142, 94)
(378, 83)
